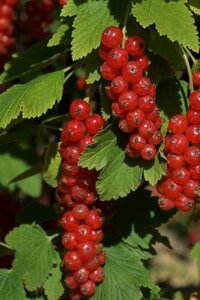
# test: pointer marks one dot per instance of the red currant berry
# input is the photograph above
(178, 144)
(68, 180)
(190, 188)
(142, 87)
(144, 62)
(70, 282)
(90, 198)
(85, 142)
(75, 295)
(69, 222)
(79, 110)
(86, 250)
(146, 129)
(132, 72)
(195, 172)
(128, 101)
(117, 110)
(110, 94)
(83, 233)
(107, 72)
(148, 152)
(156, 138)
(81, 84)
(102, 258)
(165, 204)
(119, 85)
(72, 260)
(132, 152)
(135, 118)
(196, 78)
(193, 116)
(154, 114)
(193, 134)
(88, 288)
(97, 275)
(69, 240)
(79, 192)
(94, 123)
(70, 153)
(70, 170)
(135, 45)
(80, 211)
(117, 57)
(181, 176)
(73, 131)
(147, 104)
(175, 161)
(93, 263)
(94, 220)
(112, 37)
(97, 236)
(171, 189)
(184, 203)
(82, 275)
(178, 124)
(195, 100)
(103, 51)
(192, 155)
(123, 125)
(137, 142)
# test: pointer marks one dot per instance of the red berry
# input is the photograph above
(146, 129)
(142, 87)
(190, 188)
(70, 153)
(102, 258)
(97, 275)
(69, 240)
(193, 116)
(192, 155)
(154, 114)
(94, 219)
(178, 124)
(156, 138)
(70, 282)
(143, 61)
(86, 250)
(97, 236)
(88, 288)
(80, 211)
(90, 198)
(75, 295)
(117, 57)
(112, 37)
(196, 78)
(147, 104)
(70, 170)
(81, 84)
(165, 204)
(79, 110)
(132, 152)
(83, 233)
(175, 161)
(103, 52)
(94, 123)
(128, 101)
(117, 110)
(171, 189)
(73, 131)
(195, 100)
(123, 125)
(68, 180)
(107, 72)
(181, 176)
(195, 172)
(148, 152)
(193, 134)
(132, 72)
(81, 275)
(184, 203)
(110, 94)
(137, 142)
(85, 142)
(135, 118)
(93, 263)
(79, 192)
(119, 85)
(178, 144)
(72, 260)
(69, 222)
(135, 45)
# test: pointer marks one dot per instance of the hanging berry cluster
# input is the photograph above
(7, 17)
(76, 193)
(179, 187)
(35, 20)
(132, 93)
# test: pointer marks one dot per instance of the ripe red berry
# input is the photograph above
(193, 116)
(70, 153)
(103, 51)
(136, 141)
(97, 236)
(195, 172)
(193, 134)
(178, 124)
(73, 131)
(117, 110)
(81, 275)
(80, 211)
(148, 152)
(142, 87)
(75, 295)
(178, 144)
(85, 142)
(146, 129)
(196, 78)
(79, 192)
(94, 219)
(132, 152)
(123, 125)
(117, 57)
(128, 101)
(81, 84)
(94, 123)
(171, 189)
(86, 250)
(156, 138)
(165, 204)
(135, 45)
(69, 222)
(195, 100)
(102, 258)
(132, 72)
(135, 118)
(72, 260)
(181, 176)
(190, 188)
(107, 72)
(93, 263)
(83, 233)
(175, 161)
(112, 37)
(69, 240)
(143, 61)
(79, 110)
(70, 170)
(88, 288)
(154, 114)
(147, 104)
(184, 203)
(119, 85)
(97, 275)
(70, 282)
(192, 155)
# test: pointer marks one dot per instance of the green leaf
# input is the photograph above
(51, 168)
(11, 287)
(35, 254)
(124, 275)
(196, 254)
(53, 287)
(120, 176)
(32, 99)
(33, 59)
(58, 36)
(28, 173)
(70, 9)
(194, 6)
(171, 51)
(92, 18)
(154, 171)
(97, 155)
(168, 17)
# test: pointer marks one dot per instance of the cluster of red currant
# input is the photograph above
(132, 93)
(76, 193)
(35, 19)
(7, 17)
(179, 187)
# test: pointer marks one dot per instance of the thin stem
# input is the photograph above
(53, 236)
(190, 55)
(189, 71)
(69, 75)
(126, 16)
(50, 127)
